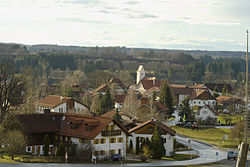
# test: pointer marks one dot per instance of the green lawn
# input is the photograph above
(234, 118)
(5, 159)
(180, 157)
(209, 135)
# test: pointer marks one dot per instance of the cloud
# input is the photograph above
(144, 16)
(79, 20)
(131, 2)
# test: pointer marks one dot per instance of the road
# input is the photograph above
(206, 152)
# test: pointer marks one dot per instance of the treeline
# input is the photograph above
(99, 64)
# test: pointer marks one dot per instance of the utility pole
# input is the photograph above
(242, 157)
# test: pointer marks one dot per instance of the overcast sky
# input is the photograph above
(169, 24)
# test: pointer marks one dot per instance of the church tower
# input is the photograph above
(140, 74)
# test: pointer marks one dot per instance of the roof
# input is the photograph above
(220, 87)
(197, 86)
(181, 89)
(40, 123)
(53, 100)
(119, 98)
(149, 83)
(61, 124)
(160, 106)
(118, 81)
(201, 94)
(101, 88)
(153, 121)
(151, 90)
(228, 99)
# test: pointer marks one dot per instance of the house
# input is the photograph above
(180, 92)
(119, 99)
(206, 112)
(100, 90)
(145, 111)
(106, 135)
(201, 97)
(60, 104)
(145, 130)
(227, 101)
(212, 86)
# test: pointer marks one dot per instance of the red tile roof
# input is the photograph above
(160, 106)
(147, 84)
(201, 94)
(162, 126)
(119, 98)
(53, 101)
(40, 123)
(118, 81)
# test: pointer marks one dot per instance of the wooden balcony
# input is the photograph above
(112, 133)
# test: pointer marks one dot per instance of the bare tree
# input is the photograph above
(130, 103)
(11, 88)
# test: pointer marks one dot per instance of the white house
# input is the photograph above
(145, 130)
(200, 98)
(60, 104)
(104, 134)
(206, 112)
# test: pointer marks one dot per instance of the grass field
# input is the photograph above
(180, 157)
(209, 135)
(234, 118)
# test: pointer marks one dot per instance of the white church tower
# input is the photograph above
(140, 74)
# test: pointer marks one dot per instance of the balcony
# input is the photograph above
(112, 133)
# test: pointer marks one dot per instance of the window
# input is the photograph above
(102, 141)
(120, 140)
(150, 129)
(96, 141)
(164, 140)
(102, 152)
(119, 151)
(96, 152)
(28, 149)
(112, 140)
(111, 152)
(194, 102)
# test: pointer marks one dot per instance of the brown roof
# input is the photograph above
(162, 126)
(181, 89)
(53, 100)
(118, 81)
(220, 87)
(197, 86)
(101, 88)
(40, 123)
(229, 100)
(147, 84)
(151, 90)
(201, 94)
(119, 98)
(160, 106)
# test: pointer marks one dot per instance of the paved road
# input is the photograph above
(206, 152)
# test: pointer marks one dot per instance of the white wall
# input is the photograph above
(204, 113)
(169, 145)
(61, 107)
(79, 107)
(201, 103)
(110, 146)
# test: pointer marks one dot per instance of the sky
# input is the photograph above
(163, 24)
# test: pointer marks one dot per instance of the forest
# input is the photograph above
(97, 65)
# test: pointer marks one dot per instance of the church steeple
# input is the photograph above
(140, 74)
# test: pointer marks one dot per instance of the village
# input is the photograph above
(130, 121)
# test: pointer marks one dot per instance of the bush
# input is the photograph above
(46, 145)
(60, 150)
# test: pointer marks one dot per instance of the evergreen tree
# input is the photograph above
(224, 90)
(166, 98)
(60, 150)
(185, 111)
(157, 145)
(107, 103)
(46, 145)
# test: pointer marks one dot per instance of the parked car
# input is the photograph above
(232, 155)
(181, 124)
(189, 124)
(116, 157)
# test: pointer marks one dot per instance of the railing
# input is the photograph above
(111, 133)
